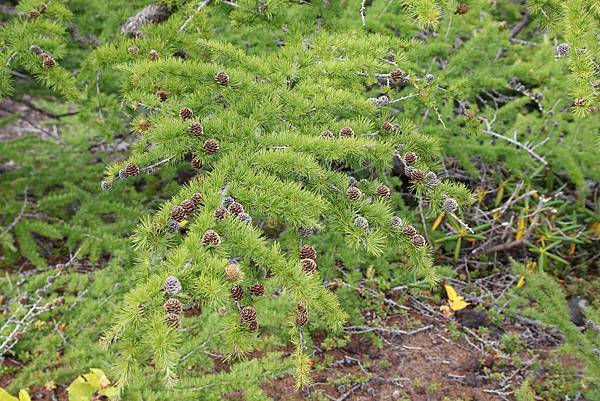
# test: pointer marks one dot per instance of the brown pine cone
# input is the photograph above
(301, 318)
(236, 292)
(353, 193)
(173, 305)
(173, 320)
(308, 252)
(133, 50)
(346, 132)
(47, 60)
(257, 290)
(211, 146)
(143, 125)
(162, 95)
(247, 314)
(417, 175)
(232, 271)
(211, 237)
(253, 325)
(409, 231)
(222, 78)
(185, 113)
(235, 208)
(462, 8)
(397, 74)
(178, 213)
(221, 213)
(327, 134)
(153, 55)
(384, 192)
(33, 13)
(197, 198)
(309, 265)
(132, 170)
(195, 128)
(196, 163)
(389, 127)
(418, 240)
(42, 7)
(410, 158)
(188, 205)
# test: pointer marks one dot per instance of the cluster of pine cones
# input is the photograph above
(173, 307)
(185, 209)
(308, 257)
(230, 207)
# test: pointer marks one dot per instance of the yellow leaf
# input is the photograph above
(24, 396)
(455, 301)
(521, 282)
(521, 228)
(5, 396)
(458, 304)
(183, 223)
(438, 221)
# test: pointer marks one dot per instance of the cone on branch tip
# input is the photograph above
(461, 9)
(236, 292)
(247, 314)
(196, 163)
(143, 125)
(235, 208)
(450, 205)
(418, 240)
(396, 222)
(131, 170)
(361, 222)
(346, 132)
(409, 231)
(396, 74)
(188, 206)
(222, 78)
(133, 50)
(306, 231)
(327, 134)
(197, 198)
(353, 193)
(409, 157)
(172, 286)
(389, 127)
(172, 320)
(47, 60)
(162, 95)
(245, 217)
(384, 192)
(211, 238)
(228, 200)
(178, 213)
(301, 318)
(417, 175)
(195, 127)
(173, 305)
(233, 271)
(257, 290)
(185, 113)
(253, 325)
(211, 146)
(431, 179)
(307, 252)
(220, 213)
(33, 13)
(153, 55)
(309, 265)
